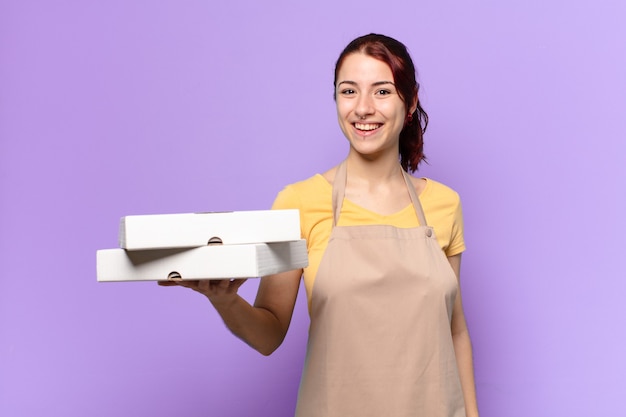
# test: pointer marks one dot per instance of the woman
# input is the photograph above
(388, 335)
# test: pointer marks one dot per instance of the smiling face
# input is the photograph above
(371, 113)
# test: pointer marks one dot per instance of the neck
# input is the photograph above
(373, 171)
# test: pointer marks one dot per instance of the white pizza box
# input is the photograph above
(186, 230)
(206, 262)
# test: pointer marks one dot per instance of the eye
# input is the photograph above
(347, 92)
(383, 92)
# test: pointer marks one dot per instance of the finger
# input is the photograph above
(204, 286)
(223, 284)
(236, 283)
(218, 283)
(193, 284)
(166, 283)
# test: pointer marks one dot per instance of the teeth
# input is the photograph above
(367, 126)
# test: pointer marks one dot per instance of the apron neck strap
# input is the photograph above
(339, 190)
(417, 206)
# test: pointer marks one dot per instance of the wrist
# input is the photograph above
(223, 303)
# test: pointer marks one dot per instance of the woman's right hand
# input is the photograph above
(218, 291)
(262, 325)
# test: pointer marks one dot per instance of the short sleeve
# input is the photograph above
(457, 240)
(288, 199)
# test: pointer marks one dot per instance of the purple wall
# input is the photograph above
(116, 108)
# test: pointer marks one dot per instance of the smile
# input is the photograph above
(367, 126)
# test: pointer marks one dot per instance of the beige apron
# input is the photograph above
(380, 343)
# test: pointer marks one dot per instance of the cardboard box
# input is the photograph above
(206, 262)
(161, 231)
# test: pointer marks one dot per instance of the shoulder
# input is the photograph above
(429, 189)
(313, 198)
(301, 193)
(439, 198)
(439, 188)
(310, 187)
(434, 190)
(442, 207)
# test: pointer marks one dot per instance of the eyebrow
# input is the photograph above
(376, 84)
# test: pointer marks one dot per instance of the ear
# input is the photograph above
(413, 103)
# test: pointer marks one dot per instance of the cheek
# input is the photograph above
(398, 112)
(344, 125)
(343, 108)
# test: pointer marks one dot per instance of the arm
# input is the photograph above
(463, 346)
(263, 325)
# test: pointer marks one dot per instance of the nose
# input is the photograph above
(364, 106)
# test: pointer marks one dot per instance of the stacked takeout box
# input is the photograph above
(220, 245)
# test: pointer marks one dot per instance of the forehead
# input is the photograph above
(359, 67)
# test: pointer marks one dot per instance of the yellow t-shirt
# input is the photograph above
(313, 197)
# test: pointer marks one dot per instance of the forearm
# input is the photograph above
(256, 326)
(464, 359)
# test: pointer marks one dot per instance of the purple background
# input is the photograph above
(112, 108)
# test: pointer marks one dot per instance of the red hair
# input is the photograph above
(395, 54)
